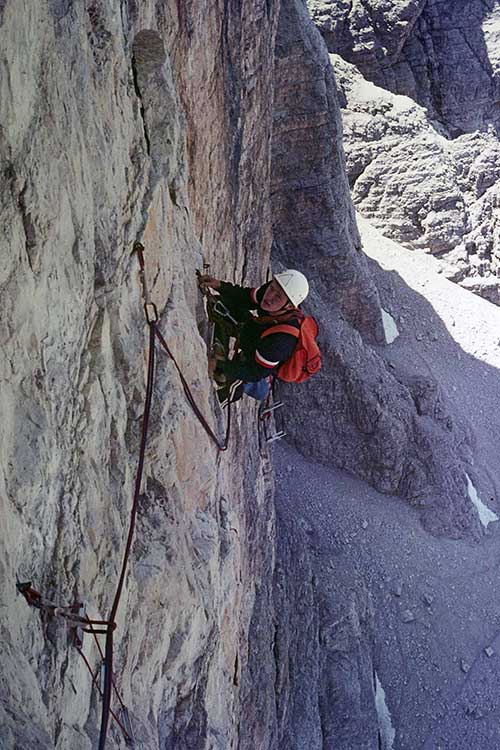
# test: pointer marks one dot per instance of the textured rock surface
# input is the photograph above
(443, 54)
(421, 124)
(313, 215)
(122, 121)
(322, 646)
(365, 419)
(420, 188)
(374, 563)
(152, 120)
(369, 589)
(315, 689)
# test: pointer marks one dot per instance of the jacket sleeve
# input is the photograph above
(238, 297)
(270, 352)
(274, 349)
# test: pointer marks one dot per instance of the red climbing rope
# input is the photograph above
(75, 615)
(101, 654)
(221, 446)
(152, 317)
(95, 682)
(108, 657)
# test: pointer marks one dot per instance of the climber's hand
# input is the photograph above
(209, 281)
(218, 351)
(212, 364)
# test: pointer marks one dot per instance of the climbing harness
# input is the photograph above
(75, 615)
(215, 304)
(222, 339)
(267, 430)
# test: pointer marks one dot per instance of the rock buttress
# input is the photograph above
(125, 121)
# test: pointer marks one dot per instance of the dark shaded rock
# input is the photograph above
(418, 186)
(366, 420)
(313, 217)
(441, 53)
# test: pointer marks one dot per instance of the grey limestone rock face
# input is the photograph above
(443, 54)
(125, 121)
(420, 188)
(366, 419)
(385, 427)
(422, 141)
(390, 426)
(154, 121)
(320, 619)
(370, 34)
(313, 218)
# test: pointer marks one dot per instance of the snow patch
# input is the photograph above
(387, 732)
(486, 515)
(491, 31)
(390, 327)
(472, 322)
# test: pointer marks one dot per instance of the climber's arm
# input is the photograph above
(236, 297)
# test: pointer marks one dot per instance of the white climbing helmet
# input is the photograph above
(294, 284)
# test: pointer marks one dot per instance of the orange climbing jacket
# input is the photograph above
(306, 358)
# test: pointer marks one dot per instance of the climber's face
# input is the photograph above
(274, 298)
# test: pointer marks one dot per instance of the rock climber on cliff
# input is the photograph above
(271, 332)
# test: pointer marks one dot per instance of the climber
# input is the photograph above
(257, 312)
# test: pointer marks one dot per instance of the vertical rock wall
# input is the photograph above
(442, 196)
(444, 54)
(421, 115)
(152, 121)
(386, 425)
(124, 121)
(366, 418)
(313, 215)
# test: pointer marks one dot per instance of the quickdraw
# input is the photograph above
(220, 308)
(74, 614)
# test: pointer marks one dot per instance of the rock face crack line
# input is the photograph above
(141, 107)
(474, 52)
(409, 30)
(28, 226)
